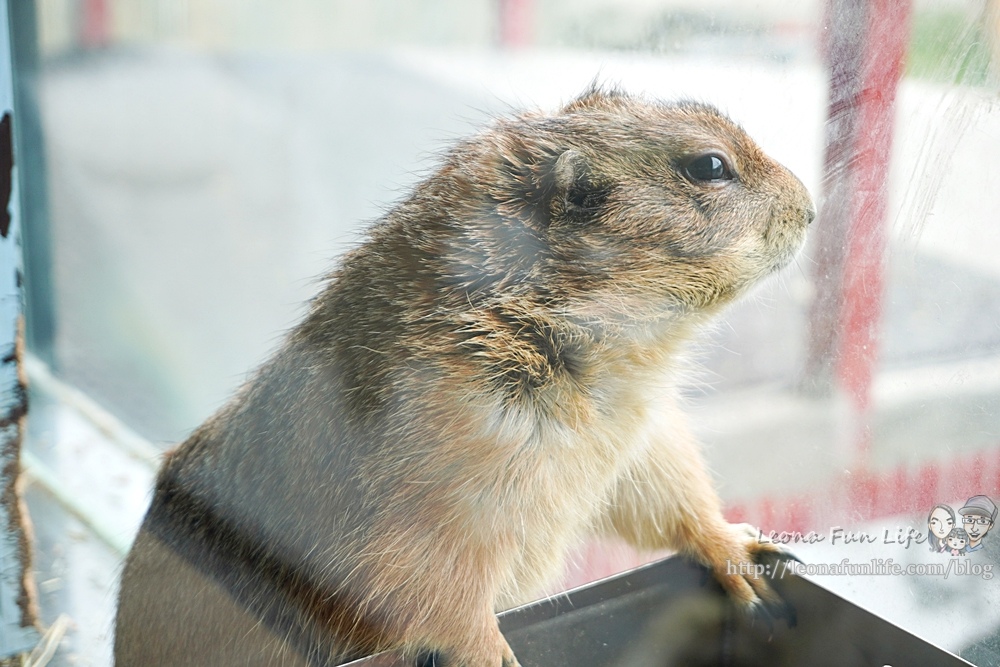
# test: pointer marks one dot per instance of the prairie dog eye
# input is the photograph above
(708, 168)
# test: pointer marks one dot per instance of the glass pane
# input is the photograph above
(209, 162)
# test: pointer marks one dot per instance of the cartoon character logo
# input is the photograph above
(962, 534)
(978, 515)
(940, 523)
(956, 542)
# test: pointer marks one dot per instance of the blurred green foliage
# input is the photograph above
(949, 45)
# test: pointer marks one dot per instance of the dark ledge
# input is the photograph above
(672, 613)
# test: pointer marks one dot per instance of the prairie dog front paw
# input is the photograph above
(735, 562)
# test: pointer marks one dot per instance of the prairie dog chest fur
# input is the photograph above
(562, 451)
(484, 380)
(575, 465)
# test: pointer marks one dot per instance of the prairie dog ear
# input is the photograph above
(576, 195)
(570, 168)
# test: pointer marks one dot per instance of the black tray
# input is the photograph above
(672, 613)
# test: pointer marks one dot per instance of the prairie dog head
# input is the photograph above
(620, 208)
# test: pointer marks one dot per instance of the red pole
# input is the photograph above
(866, 46)
(516, 23)
(884, 50)
(95, 24)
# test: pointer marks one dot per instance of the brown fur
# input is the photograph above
(484, 382)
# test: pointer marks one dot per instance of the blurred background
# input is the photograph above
(190, 170)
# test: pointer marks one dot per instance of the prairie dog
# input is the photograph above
(482, 383)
